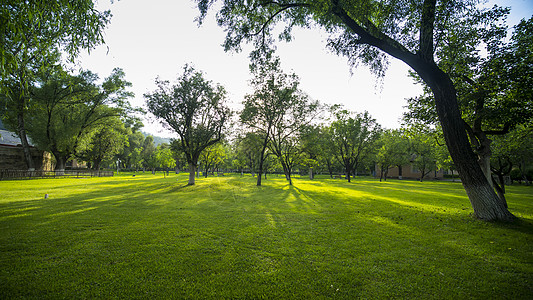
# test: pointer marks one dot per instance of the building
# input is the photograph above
(12, 154)
(411, 172)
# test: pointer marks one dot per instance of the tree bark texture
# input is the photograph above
(486, 204)
(192, 172)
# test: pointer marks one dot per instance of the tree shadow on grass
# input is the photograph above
(347, 236)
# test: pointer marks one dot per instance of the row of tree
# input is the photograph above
(457, 49)
(283, 129)
(433, 37)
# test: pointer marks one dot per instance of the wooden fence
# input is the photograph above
(25, 174)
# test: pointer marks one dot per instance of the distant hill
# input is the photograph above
(157, 139)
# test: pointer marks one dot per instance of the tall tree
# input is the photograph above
(294, 110)
(32, 35)
(67, 109)
(494, 89)
(147, 153)
(195, 109)
(423, 146)
(104, 143)
(212, 157)
(164, 158)
(247, 147)
(394, 151)
(264, 109)
(310, 139)
(354, 136)
(367, 31)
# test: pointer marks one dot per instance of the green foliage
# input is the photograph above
(39, 28)
(33, 34)
(104, 143)
(164, 157)
(212, 157)
(353, 138)
(67, 110)
(277, 111)
(194, 108)
(148, 153)
(494, 90)
(394, 150)
(131, 156)
(513, 150)
(125, 236)
(248, 146)
(423, 145)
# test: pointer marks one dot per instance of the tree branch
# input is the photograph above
(426, 30)
(372, 35)
(283, 8)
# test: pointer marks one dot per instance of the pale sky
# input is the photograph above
(158, 37)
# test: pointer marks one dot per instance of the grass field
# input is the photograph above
(150, 237)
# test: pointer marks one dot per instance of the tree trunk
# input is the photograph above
(484, 158)
(500, 188)
(522, 169)
(484, 200)
(192, 172)
(262, 158)
(311, 176)
(486, 204)
(287, 172)
(61, 162)
(348, 172)
(21, 131)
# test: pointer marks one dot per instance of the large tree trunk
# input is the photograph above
(484, 157)
(486, 204)
(61, 162)
(287, 172)
(21, 131)
(192, 173)
(348, 174)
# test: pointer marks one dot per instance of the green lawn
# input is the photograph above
(155, 238)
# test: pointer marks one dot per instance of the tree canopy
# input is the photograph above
(194, 108)
(32, 36)
(67, 110)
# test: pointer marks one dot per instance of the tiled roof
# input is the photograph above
(8, 138)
